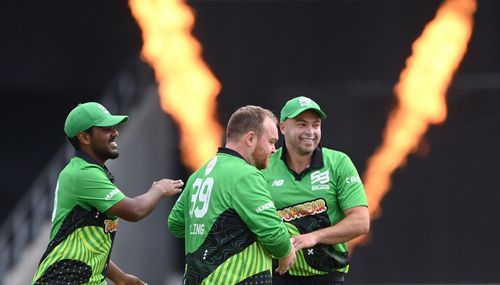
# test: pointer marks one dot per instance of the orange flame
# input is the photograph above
(421, 94)
(187, 87)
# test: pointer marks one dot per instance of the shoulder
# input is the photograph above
(277, 154)
(227, 167)
(82, 170)
(334, 156)
(275, 159)
(240, 171)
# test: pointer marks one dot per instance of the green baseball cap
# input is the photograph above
(298, 105)
(90, 114)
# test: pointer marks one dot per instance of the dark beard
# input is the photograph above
(105, 155)
(113, 155)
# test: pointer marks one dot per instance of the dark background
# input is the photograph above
(439, 222)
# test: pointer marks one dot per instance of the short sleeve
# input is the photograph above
(94, 189)
(176, 219)
(351, 192)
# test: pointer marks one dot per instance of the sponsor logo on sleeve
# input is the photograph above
(112, 193)
(353, 179)
(267, 205)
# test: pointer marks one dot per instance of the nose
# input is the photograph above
(115, 133)
(309, 129)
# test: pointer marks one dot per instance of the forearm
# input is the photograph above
(347, 229)
(114, 273)
(146, 203)
(134, 209)
(356, 222)
(119, 277)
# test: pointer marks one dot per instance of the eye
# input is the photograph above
(109, 129)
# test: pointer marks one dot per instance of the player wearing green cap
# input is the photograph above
(226, 214)
(318, 193)
(87, 204)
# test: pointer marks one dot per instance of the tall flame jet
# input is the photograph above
(187, 87)
(421, 94)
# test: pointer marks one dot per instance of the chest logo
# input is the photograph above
(278, 182)
(305, 209)
(320, 180)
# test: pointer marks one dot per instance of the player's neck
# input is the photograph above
(298, 162)
(240, 149)
(94, 156)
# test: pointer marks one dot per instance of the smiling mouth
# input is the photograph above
(307, 140)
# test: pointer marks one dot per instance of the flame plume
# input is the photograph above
(421, 94)
(187, 87)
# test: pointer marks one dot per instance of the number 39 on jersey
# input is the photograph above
(201, 197)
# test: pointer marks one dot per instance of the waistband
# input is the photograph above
(334, 276)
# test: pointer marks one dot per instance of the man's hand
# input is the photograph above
(304, 241)
(119, 277)
(356, 222)
(286, 262)
(169, 187)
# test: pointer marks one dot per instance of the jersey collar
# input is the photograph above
(316, 162)
(230, 152)
(87, 158)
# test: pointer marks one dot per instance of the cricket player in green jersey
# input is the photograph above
(225, 213)
(319, 195)
(87, 204)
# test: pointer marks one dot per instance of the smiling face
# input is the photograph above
(100, 143)
(104, 143)
(302, 133)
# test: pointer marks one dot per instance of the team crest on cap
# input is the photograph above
(103, 108)
(303, 101)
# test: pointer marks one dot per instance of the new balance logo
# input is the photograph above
(278, 182)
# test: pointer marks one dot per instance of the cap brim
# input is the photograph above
(112, 121)
(321, 114)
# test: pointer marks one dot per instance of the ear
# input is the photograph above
(250, 138)
(282, 128)
(84, 138)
